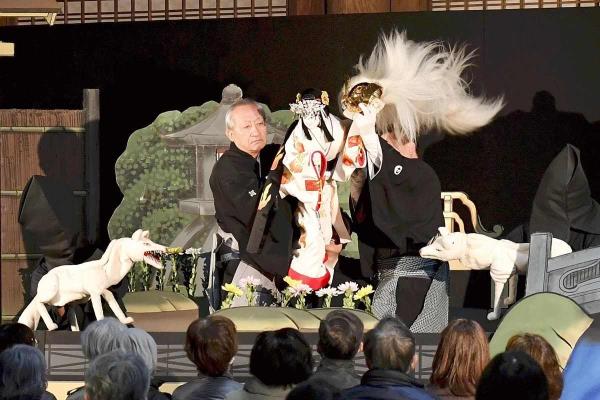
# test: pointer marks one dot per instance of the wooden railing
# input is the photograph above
(95, 11)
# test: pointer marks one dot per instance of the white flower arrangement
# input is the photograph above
(300, 292)
(348, 288)
(250, 283)
(328, 293)
(295, 289)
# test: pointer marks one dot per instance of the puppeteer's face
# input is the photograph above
(249, 131)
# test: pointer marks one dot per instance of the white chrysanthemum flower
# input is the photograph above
(352, 286)
(328, 291)
(193, 251)
(301, 289)
(249, 280)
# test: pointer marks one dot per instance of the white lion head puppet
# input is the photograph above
(417, 86)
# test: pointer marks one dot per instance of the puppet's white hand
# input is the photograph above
(365, 122)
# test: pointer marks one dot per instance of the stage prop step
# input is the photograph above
(258, 319)
(557, 318)
(161, 311)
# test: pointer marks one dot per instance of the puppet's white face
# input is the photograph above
(311, 122)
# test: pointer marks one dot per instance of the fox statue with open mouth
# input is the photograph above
(91, 280)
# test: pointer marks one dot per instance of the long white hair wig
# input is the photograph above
(423, 88)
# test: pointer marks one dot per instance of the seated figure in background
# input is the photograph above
(390, 354)
(117, 375)
(210, 343)
(340, 339)
(461, 356)
(278, 361)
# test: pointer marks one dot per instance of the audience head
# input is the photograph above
(512, 375)
(144, 345)
(281, 358)
(543, 353)
(22, 373)
(117, 375)
(313, 389)
(246, 126)
(340, 335)
(461, 356)
(211, 344)
(390, 345)
(102, 336)
(11, 334)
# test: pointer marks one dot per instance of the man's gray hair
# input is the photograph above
(229, 123)
(144, 345)
(22, 373)
(390, 345)
(102, 336)
(117, 375)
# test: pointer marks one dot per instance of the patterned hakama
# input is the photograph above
(432, 316)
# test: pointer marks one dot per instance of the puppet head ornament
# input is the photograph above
(415, 87)
(312, 110)
(362, 92)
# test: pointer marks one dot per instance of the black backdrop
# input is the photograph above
(143, 69)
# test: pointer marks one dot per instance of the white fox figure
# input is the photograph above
(502, 257)
(90, 280)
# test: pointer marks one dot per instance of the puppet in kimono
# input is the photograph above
(315, 155)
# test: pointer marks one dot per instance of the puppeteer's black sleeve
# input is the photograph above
(236, 193)
(235, 204)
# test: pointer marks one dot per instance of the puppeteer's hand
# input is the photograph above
(365, 121)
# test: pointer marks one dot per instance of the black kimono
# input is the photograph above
(236, 182)
(398, 211)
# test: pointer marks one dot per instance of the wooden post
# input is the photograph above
(7, 21)
(357, 6)
(91, 109)
(410, 5)
(306, 7)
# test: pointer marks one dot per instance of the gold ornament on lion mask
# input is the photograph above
(363, 92)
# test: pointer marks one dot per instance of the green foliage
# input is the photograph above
(153, 177)
(351, 249)
(282, 119)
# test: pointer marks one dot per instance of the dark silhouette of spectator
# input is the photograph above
(117, 375)
(140, 342)
(278, 361)
(340, 338)
(15, 333)
(313, 389)
(100, 337)
(541, 351)
(210, 343)
(461, 356)
(23, 374)
(513, 375)
(390, 354)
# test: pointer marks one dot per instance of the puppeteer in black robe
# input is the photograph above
(236, 182)
(398, 211)
(563, 203)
